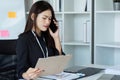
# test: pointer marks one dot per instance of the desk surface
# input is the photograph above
(93, 77)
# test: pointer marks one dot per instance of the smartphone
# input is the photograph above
(53, 27)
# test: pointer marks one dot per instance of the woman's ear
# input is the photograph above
(32, 16)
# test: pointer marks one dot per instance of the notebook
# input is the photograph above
(53, 65)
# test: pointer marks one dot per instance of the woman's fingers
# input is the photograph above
(34, 73)
(55, 22)
(30, 70)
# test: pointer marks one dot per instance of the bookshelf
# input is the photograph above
(73, 23)
(107, 26)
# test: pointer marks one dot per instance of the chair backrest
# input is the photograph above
(8, 59)
(7, 47)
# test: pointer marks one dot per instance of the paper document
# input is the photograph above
(113, 70)
(53, 65)
(63, 76)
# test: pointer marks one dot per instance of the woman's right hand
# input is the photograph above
(32, 73)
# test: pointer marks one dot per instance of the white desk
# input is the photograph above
(93, 77)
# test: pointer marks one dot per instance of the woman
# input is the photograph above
(37, 41)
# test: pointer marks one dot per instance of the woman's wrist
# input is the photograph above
(25, 76)
(58, 45)
(56, 37)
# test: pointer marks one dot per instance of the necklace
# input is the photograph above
(41, 46)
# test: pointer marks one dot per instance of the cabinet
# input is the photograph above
(75, 24)
(107, 39)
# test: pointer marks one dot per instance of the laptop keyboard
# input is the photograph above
(90, 71)
(116, 77)
(109, 77)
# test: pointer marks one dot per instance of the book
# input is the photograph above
(86, 31)
(55, 4)
(88, 5)
(81, 4)
(61, 33)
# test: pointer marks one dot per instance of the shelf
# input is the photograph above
(76, 43)
(109, 45)
(58, 12)
(108, 12)
(55, 12)
(76, 12)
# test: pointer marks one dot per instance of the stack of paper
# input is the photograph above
(113, 70)
(63, 76)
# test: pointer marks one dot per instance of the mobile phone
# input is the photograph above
(53, 27)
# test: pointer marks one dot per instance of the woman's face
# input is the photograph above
(44, 20)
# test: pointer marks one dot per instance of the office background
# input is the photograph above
(89, 30)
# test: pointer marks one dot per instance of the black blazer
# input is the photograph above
(28, 51)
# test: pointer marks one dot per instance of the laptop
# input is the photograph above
(87, 71)
(109, 77)
(53, 65)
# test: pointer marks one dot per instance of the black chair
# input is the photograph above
(8, 60)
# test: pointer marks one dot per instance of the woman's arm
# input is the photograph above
(22, 56)
(57, 40)
(58, 45)
(24, 69)
(32, 73)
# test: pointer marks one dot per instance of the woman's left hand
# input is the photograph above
(32, 73)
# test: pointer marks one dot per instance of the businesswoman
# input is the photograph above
(37, 41)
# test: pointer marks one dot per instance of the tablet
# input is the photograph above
(53, 65)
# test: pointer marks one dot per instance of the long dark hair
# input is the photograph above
(37, 8)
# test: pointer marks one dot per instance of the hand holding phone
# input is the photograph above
(53, 26)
